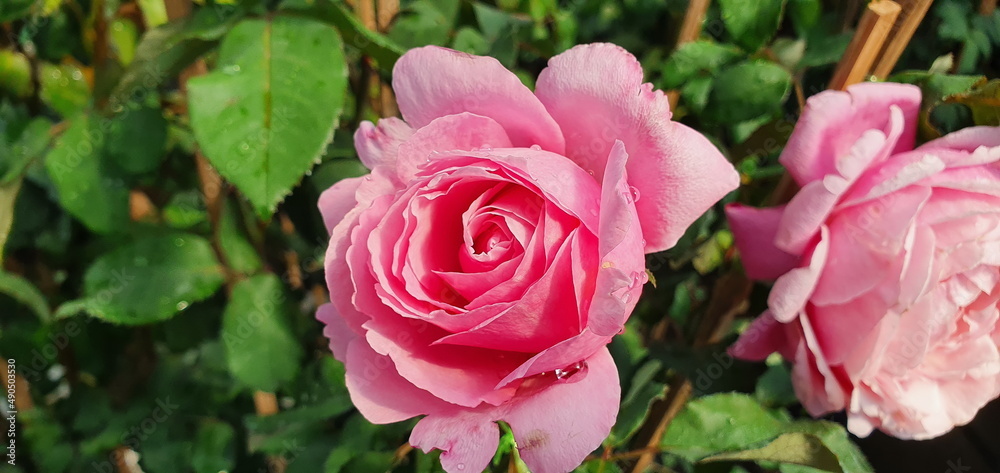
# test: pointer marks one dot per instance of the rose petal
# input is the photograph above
(763, 337)
(556, 428)
(833, 121)
(595, 93)
(433, 82)
(791, 291)
(337, 201)
(462, 131)
(336, 330)
(377, 145)
(754, 231)
(467, 439)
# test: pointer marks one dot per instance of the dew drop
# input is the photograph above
(178, 242)
(485, 147)
(536, 148)
(245, 147)
(590, 171)
(635, 193)
(182, 305)
(571, 370)
(461, 466)
(77, 75)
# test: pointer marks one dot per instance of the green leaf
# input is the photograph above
(774, 387)
(265, 116)
(422, 23)
(261, 351)
(164, 51)
(752, 22)
(150, 279)
(214, 447)
(635, 406)
(823, 49)
(240, 255)
(804, 14)
(122, 37)
(154, 12)
(8, 197)
(376, 46)
(836, 439)
(697, 57)
(23, 291)
(88, 187)
(15, 9)
(64, 88)
(983, 101)
(747, 91)
(136, 139)
(796, 447)
(32, 141)
(718, 423)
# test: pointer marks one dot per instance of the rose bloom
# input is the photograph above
(478, 273)
(887, 264)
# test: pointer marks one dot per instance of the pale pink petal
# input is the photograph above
(791, 291)
(377, 145)
(967, 139)
(754, 231)
(467, 439)
(622, 271)
(335, 202)
(555, 357)
(336, 330)
(380, 393)
(833, 121)
(433, 82)
(596, 94)
(558, 427)
(463, 131)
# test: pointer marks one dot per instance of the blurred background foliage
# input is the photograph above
(161, 317)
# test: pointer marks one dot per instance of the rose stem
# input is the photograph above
(690, 30)
(365, 10)
(911, 14)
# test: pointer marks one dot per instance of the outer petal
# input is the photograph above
(376, 145)
(463, 131)
(764, 336)
(833, 121)
(595, 93)
(379, 392)
(467, 439)
(556, 428)
(335, 202)
(791, 291)
(623, 267)
(754, 230)
(336, 330)
(433, 82)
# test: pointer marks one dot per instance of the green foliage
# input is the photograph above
(264, 117)
(163, 257)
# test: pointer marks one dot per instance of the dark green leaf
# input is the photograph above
(804, 14)
(635, 406)
(64, 88)
(378, 47)
(698, 57)
(88, 187)
(718, 423)
(774, 387)
(240, 255)
(752, 22)
(23, 291)
(214, 447)
(747, 91)
(150, 279)
(264, 117)
(260, 349)
(136, 140)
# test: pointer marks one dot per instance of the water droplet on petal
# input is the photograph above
(635, 193)
(571, 370)
(590, 171)
(461, 466)
(536, 147)
(485, 147)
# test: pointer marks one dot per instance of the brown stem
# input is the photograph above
(690, 30)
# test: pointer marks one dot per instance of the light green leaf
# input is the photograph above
(261, 351)
(752, 22)
(122, 37)
(88, 187)
(64, 88)
(29, 145)
(718, 423)
(15, 73)
(154, 12)
(748, 90)
(376, 46)
(150, 279)
(23, 291)
(8, 197)
(796, 447)
(264, 117)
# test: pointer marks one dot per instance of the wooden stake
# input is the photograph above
(694, 17)
(987, 7)
(912, 13)
(387, 11)
(871, 34)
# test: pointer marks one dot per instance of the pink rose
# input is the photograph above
(887, 265)
(498, 244)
